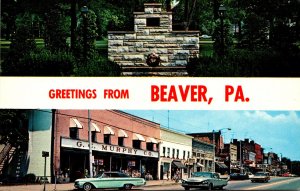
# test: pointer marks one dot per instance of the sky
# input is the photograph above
(276, 131)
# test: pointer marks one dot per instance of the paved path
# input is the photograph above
(70, 186)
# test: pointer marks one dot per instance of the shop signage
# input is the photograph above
(78, 144)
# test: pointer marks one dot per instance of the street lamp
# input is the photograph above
(221, 12)
(214, 145)
(84, 11)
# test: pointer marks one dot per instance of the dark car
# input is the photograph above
(239, 176)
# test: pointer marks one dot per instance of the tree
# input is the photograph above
(13, 127)
(57, 28)
(22, 43)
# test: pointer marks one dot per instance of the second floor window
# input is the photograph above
(173, 153)
(74, 134)
(121, 141)
(183, 154)
(164, 152)
(136, 144)
(106, 139)
(177, 156)
(150, 146)
(94, 136)
(168, 152)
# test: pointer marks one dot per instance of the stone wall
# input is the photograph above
(131, 48)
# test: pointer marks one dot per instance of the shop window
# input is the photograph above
(136, 144)
(185, 170)
(183, 154)
(177, 156)
(121, 141)
(106, 139)
(94, 136)
(194, 154)
(164, 152)
(152, 22)
(173, 153)
(150, 146)
(74, 133)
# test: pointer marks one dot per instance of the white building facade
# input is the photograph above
(175, 152)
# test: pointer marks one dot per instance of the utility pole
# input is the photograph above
(90, 146)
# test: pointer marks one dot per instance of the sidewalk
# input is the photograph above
(70, 186)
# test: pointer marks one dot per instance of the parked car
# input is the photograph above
(261, 177)
(205, 180)
(239, 176)
(109, 180)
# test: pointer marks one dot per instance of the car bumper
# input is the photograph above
(194, 185)
(78, 186)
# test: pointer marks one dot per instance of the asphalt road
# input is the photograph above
(276, 183)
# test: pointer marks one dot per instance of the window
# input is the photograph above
(136, 144)
(188, 154)
(183, 154)
(173, 153)
(121, 141)
(164, 151)
(106, 139)
(94, 136)
(150, 146)
(177, 156)
(168, 154)
(153, 22)
(74, 133)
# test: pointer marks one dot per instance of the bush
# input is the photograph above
(246, 63)
(46, 63)
(98, 66)
(30, 178)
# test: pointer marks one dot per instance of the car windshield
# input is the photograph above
(112, 175)
(202, 174)
(260, 174)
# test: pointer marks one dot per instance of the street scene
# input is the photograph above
(49, 149)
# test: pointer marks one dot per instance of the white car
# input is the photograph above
(109, 180)
(205, 180)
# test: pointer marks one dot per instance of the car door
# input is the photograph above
(105, 181)
(218, 181)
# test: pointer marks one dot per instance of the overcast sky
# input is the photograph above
(277, 131)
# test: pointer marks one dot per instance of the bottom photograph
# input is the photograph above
(53, 149)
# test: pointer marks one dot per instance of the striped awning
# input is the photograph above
(108, 130)
(94, 127)
(151, 140)
(74, 123)
(138, 137)
(122, 133)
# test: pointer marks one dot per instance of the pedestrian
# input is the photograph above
(168, 175)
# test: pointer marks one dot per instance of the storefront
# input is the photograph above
(135, 162)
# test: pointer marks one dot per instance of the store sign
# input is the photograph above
(78, 144)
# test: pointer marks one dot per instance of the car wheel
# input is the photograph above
(127, 186)
(87, 187)
(186, 188)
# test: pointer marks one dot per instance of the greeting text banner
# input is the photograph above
(150, 93)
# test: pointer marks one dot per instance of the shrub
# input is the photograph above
(30, 178)
(46, 63)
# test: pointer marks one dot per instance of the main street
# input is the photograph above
(276, 183)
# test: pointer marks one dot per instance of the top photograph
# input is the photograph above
(140, 38)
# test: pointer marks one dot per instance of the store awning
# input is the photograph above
(138, 137)
(74, 123)
(178, 164)
(122, 133)
(199, 164)
(151, 140)
(94, 127)
(221, 165)
(108, 130)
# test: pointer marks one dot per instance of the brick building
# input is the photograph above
(120, 141)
